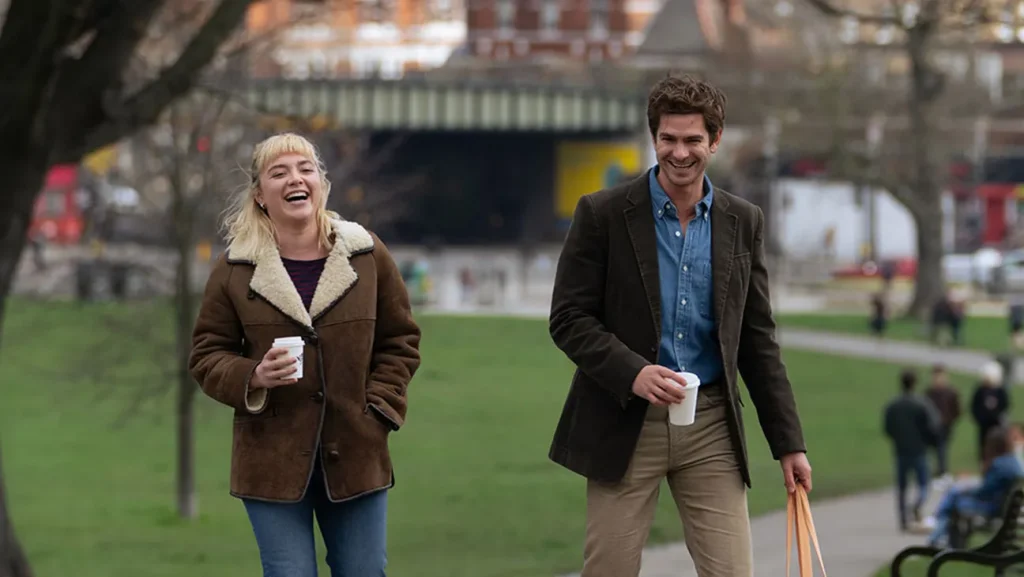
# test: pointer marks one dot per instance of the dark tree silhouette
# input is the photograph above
(71, 86)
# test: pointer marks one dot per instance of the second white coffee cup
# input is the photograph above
(685, 413)
(295, 346)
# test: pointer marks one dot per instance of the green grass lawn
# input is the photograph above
(981, 333)
(475, 495)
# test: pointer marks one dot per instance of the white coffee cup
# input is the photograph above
(295, 346)
(685, 413)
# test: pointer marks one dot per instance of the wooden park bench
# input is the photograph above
(1005, 548)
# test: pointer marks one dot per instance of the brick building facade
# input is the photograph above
(389, 38)
(355, 38)
(591, 30)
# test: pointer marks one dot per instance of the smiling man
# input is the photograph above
(660, 275)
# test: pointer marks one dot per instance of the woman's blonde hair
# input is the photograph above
(247, 227)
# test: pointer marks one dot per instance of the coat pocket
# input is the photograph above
(246, 417)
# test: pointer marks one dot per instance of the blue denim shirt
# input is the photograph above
(1004, 472)
(689, 341)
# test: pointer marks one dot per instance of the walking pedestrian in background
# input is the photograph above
(911, 424)
(946, 401)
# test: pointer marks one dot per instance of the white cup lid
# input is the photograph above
(289, 342)
(692, 380)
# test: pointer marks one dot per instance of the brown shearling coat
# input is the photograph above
(362, 349)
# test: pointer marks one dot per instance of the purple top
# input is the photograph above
(305, 276)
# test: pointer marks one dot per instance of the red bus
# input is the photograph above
(58, 217)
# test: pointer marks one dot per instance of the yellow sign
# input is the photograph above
(204, 251)
(585, 167)
(100, 161)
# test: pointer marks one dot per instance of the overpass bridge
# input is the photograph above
(598, 101)
(452, 105)
(514, 141)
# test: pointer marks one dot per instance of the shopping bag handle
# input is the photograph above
(800, 522)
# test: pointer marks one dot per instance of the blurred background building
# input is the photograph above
(454, 126)
(356, 39)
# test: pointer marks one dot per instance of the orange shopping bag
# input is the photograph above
(800, 523)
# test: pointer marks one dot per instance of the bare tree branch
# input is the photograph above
(144, 107)
(28, 76)
(84, 86)
(113, 371)
(194, 201)
(134, 407)
(827, 8)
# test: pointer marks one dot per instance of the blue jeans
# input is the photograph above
(905, 466)
(958, 500)
(355, 533)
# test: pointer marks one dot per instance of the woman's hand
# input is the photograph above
(274, 370)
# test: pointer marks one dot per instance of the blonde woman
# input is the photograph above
(317, 444)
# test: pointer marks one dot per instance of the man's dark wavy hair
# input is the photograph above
(686, 95)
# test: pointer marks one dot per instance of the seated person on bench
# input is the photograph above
(1001, 470)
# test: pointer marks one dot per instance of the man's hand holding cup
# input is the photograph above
(275, 370)
(659, 385)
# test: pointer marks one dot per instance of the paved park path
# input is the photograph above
(858, 533)
(957, 360)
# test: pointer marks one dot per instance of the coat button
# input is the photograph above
(318, 397)
(334, 455)
(312, 339)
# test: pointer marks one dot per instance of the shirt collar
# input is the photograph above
(662, 203)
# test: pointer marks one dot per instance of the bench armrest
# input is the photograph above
(996, 562)
(913, 551)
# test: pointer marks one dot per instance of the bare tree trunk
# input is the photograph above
(188, 499)
(15, 211)
(930, 283)
(13, 562)
(184, 305)
(16, 203)
(925, 197)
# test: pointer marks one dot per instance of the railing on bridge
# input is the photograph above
(452, 105)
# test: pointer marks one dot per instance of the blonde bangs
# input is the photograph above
(281, 144)
(246, 227)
